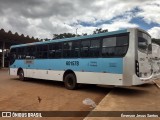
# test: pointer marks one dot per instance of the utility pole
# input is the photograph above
(76, 30)
(3, 54)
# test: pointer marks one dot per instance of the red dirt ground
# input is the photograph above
(16, 95)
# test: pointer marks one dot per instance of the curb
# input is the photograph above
(87, 117)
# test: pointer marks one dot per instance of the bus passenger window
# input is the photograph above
(58, 50)
(30, 52)
(21, 53)
(121, 51)
(51, 52)
(95, 48)
(71, 49)
(67, 49)
(108, 47)
(85, 45)
(122, 40)
(75, 49)
(122, 45)
(42, 51)
(55, 50)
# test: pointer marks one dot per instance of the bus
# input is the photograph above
(156, 60)
(120, 58)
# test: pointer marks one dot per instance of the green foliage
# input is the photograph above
(64, 35)
(156, 41)
(69, 35)
(99, 30)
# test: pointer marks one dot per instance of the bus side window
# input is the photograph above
(85, 45)
(108, 47)
(42, 51)
(75, 49)
(71, 49)
(45, 51)
(30, 52)
(21, 53)
(55, 50)
(67, 49)
(95, 48)
(58, 50)
(51, 53)
(122, 45)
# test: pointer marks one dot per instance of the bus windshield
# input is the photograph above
(144, 43)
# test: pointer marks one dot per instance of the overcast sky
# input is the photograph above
(43, 18)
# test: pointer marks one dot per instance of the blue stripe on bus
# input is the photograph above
(74, 38)
(108, 65)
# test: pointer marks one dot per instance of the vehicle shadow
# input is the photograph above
(41, 81)
(145, 85)
(131, 91)
(81, 87)
(123, 91)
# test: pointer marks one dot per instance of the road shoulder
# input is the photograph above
(139, 98)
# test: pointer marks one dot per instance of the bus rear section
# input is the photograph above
(143, 61)
(155, 60)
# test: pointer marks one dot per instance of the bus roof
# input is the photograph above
(73, 38)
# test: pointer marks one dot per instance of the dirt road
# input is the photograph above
(16, 95)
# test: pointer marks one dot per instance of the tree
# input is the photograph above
(84, 34)
(156, 41)
(99, 30)
(64, 35)
(68, 35)
(46, 39)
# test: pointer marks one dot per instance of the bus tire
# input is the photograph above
(21, 75)
(70, 81)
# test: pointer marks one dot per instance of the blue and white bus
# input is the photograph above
(121, 58)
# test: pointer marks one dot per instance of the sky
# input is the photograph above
(43, 18)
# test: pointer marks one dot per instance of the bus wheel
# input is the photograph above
(70, 81)
(21, 75)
